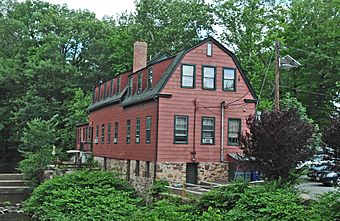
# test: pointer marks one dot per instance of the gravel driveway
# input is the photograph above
(314, 188)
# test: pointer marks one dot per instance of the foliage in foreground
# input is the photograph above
(83, 196)
(103, 196)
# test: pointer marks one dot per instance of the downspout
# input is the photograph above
(91, 126)
(193, 152)
(156, 149)
(222, 130)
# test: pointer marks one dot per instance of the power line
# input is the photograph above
(305, 91)
(238, 99)
(265, 76)
(310, 52)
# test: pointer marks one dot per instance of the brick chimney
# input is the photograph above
(140, 54)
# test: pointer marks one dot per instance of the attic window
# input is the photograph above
(209, 49)
(118, 85)
(130, 86)
(139, 83)
(149, 84)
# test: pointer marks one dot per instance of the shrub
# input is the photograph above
(83, 195)
(224, 198)
(158, 186)
(278, 141)
(167, 210)
(267, 203)
(34, 164)
(326, 207)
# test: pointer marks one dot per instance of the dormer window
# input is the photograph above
(111, 87)
(149, 85)
(139, 83)
(105, 90)
(130, 83)
(99, 92)
(209, 49)
(118, 85)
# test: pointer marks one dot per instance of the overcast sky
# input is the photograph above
(100, 7)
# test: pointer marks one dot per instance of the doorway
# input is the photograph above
(191, 173)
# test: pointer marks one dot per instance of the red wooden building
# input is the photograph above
(175, 117)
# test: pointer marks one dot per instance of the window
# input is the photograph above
(111, 87)
(147, 169)
(94, 96)
(108, 132)
(115, 139)
(188, 76)
(181, 130)
(137, 130)
(128, 130)
(229, 79)
(90, 134)
(86, 134)
(105, 90)
(209, 81)
(209, 49)
(103, 131)
(139, 83)
(118, 85)
(137, 168)
(208, 130)
(148, 130)
(234, 130)
(130, 84)
(78, 136)
(99, 92)
(97, 134)
(149, 86)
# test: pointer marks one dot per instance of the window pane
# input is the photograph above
(187, 81)
(209, 72)
(229, 74)
(228, 84)
(208, 83)
(188, 70)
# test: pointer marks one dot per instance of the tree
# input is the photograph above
(38, 140)
(249, 28)
(170, 26)
(277, 141)
(331, 135)
(311, 35)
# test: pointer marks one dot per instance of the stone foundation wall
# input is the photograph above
(127, 168)
(213, 172)
(175, 172)
(209, 172)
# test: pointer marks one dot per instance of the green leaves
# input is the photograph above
(83, 195)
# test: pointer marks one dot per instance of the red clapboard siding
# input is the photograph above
(182, 103)
(122, 150)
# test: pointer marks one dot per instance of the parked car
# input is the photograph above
(330, 178)
(317, 160)
(313, 171)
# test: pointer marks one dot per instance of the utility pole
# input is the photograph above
(277, 76)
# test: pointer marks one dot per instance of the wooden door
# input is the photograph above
(191, 173)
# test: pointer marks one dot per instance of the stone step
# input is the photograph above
(13, 198)
(13, 190)
(11, 176)
(12, 183)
